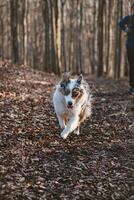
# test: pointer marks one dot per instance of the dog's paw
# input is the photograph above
(76, 131)
(64, 135)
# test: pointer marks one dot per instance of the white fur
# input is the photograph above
(60, 102)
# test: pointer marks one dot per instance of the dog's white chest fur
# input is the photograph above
(72, 104)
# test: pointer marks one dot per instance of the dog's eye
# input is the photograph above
(62, 85)
(75, 94)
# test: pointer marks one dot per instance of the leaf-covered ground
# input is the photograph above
(36, 164)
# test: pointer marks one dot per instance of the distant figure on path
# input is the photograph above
(127, 25)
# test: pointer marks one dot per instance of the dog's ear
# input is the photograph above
(80, 79)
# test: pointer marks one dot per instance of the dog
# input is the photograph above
(72, 103)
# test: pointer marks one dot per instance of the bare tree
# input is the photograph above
(14, 23)
(100, 37)
(59, 35)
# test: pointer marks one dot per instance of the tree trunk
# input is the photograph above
(14, 39)
(100, 38)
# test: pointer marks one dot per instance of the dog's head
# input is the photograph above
(71, 89)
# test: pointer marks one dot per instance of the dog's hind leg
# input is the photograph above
(77, 131)
(65, 120)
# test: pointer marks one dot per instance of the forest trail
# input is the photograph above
(35, 163)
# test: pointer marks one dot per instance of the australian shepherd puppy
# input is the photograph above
(72, 103)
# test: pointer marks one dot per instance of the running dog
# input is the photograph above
(72, 103)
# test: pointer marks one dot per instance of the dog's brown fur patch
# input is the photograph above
(77, 93)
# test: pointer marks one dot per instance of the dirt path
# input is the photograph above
(36, 164)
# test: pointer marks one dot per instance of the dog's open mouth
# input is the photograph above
(70, 106)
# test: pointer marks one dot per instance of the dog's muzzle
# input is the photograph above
(70, 104)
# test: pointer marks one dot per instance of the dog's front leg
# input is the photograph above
(61, 121)
(71, 126)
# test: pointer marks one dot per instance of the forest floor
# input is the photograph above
(37, 164)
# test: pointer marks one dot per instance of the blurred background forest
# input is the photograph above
(65, 35)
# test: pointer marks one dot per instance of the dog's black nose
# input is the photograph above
(70, 103)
